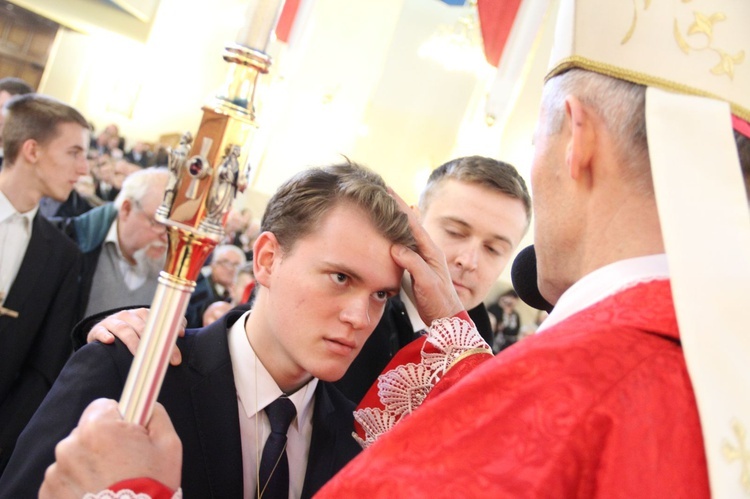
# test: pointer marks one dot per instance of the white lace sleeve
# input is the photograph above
(402, 389)
(126, 494)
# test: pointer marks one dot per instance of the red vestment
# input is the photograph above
(598, 405)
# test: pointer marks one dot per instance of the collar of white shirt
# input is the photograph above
(256, 389)
(605, 282)
(7, 210)
(244, 366)
(417, 323)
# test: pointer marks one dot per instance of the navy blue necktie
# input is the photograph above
(273, 482)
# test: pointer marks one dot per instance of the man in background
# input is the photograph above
(476, 210)
(216, 283)
(505, 320)
(123, 245)
(45, 150)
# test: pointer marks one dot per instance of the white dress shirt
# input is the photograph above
(15, 234)
(255, 390)
(605, 282)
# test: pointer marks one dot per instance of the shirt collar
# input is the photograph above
(256, 388)
(111, 237)
(417, 323)
(605, 282)
(7, 210)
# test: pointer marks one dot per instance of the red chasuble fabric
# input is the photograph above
(599, 405)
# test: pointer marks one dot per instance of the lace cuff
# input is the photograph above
(137, 488)
(412, 374)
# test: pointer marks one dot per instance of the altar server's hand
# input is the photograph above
(104, 449)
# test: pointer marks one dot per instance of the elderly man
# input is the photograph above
(216, 283)
(124, 247)
(601, 403)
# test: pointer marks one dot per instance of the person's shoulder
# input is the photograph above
(63, 246)
(105, 354)
(339, 402)
(90, 228)
(204, 346)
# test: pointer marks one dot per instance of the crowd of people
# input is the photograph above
(79, 237)
(385, 334)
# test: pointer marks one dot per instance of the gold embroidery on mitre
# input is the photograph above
(631, 30)
(739, 453)
(702, 26)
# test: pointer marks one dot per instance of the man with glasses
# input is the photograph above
(215, 283)
(124, 247)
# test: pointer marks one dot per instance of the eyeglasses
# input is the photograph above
(153, 224)
(228, 264)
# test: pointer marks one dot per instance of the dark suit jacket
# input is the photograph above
(393, 332)
(201, 399)
(35, 346)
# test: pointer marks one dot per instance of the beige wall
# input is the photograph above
(350, 83)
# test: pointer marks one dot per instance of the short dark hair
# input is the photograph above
(301, 203)
(491, 173)
(36, 117)
(15, 86)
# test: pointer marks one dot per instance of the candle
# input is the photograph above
(260, 21)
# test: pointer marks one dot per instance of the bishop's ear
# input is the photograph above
(582, 138)
(266, 252)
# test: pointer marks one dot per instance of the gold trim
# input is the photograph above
(467, 354)
(177, 282)
(640, 78)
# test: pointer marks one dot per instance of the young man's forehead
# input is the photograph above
(453, 186)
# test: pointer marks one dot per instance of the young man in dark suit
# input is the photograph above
(45, 152)
(325, 271)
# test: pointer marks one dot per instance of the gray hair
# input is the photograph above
(136, 186)
(618, 103)
(223, 249)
